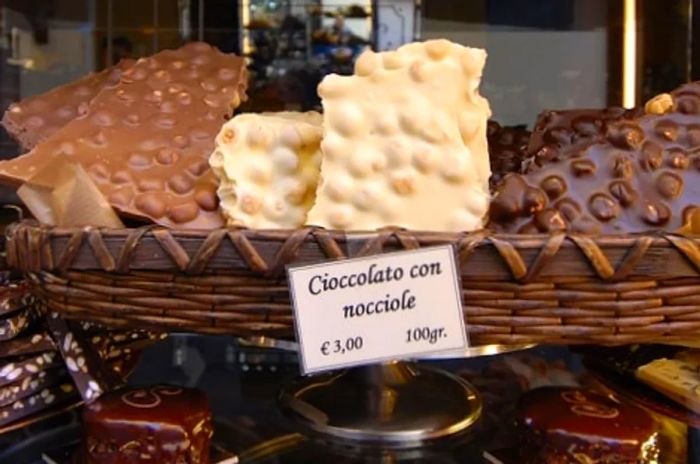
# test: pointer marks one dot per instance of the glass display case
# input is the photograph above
(512, 395)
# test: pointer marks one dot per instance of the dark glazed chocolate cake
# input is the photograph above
(156, 425)
(563, 425)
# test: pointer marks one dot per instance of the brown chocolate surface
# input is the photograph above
(571, 425)
(34, 404)
(32, 342)
(560, 133)
(146, 141)
(163, 424)
(13, 370)
(507, 149)
(91, 374)
(643, 175)
(36, 118)
(11, 325)
(14, 296)
(32, 385)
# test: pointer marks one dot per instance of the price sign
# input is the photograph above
(384, 307)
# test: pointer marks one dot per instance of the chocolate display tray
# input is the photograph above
(558, 289)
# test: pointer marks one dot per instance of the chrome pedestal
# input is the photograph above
(397, 404)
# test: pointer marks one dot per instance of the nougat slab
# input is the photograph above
(405, 141)
(268, 166)
(146, 141)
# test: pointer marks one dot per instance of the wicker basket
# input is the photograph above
(517, 289)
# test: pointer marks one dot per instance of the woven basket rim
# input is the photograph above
(483, 254)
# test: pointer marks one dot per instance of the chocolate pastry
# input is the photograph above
(507, 149)
(560, 132)
(34, 119)
(146, 141)
(160, 424)
(643, 175)
(564, 425)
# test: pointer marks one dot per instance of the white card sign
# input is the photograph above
(377, 308)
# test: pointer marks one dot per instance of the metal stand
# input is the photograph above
(397, 404)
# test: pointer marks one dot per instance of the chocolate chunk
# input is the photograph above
(563, 424)
(45, 399)
(11, 325)
(91, 374)
(28, 343)
(507, 149)
(162, 424)
(14, 296)
(22, 367)
(124, 131)
(634, 179)
(35, 119)
(559, 134)
(32, 385)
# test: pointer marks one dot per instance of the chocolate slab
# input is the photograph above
(36, 118)
(11, 325)
(27, 366)
(91, 374)
(162, 424)
(566, 131)
(644, 175)
(563, 424)
(14, 296)
(146, 141)
(32, 385)
(27, 343)
(47, 398)
(507, 149)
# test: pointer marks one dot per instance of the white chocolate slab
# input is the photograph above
(268, 166)
(405, 141)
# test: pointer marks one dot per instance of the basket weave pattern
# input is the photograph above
(516, 289)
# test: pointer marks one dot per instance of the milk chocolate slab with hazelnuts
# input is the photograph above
(36, 118)
(146, 141)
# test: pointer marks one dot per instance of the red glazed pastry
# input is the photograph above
(574, 426)
(156, 425)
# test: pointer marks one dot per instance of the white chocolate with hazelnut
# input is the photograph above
(267, 166)
(405, 142)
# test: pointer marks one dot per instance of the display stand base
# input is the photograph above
(397, 404)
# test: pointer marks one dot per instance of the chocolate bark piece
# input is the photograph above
(507, 149)
(162, 424)
(26, 366)
(27, 343)
(32, 385)
(11, 325)
(146, 141)
(643, 176)
(15, 296)
(91, 374)
(564, 424)
(560, 133)
(45, 399)
(36, 118)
